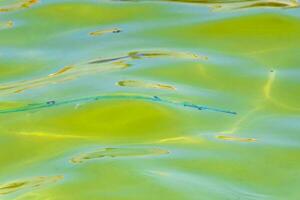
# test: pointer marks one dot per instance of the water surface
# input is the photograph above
(142, 99)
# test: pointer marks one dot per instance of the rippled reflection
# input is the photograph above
(149, 99)
(34, 182)
(118, 152)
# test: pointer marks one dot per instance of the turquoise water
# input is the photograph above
(187, 100)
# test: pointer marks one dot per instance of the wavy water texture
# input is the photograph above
(149, 99)
(156, 99)
(239, 4)
(118, 152)
(105, 65)
(106, 31)
(181, 140)
(233, 138)
(265, 99)
(142, 84)
(6, 24)
(268, 96)
(21, 4)
(26, 184)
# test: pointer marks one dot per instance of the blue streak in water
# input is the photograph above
(49, 104)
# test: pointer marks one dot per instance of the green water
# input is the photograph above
(149, 99)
